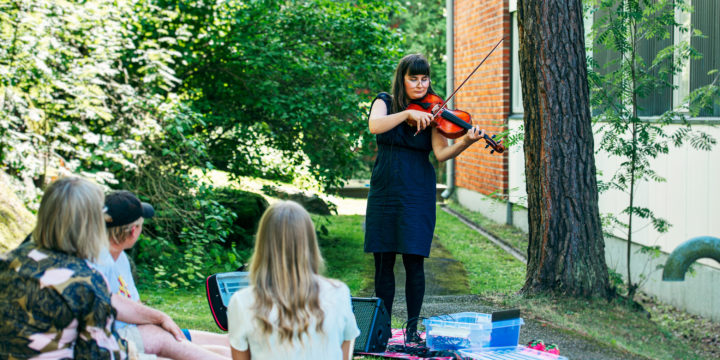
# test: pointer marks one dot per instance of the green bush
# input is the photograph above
(136, 96)
(196, 233)
(185, 242)
(248, 208)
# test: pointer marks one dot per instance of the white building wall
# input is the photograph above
(699, 294)
(689, 200)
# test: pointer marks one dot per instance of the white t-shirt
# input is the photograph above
(339, 325)
(119, 277)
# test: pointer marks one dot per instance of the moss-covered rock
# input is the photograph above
(15, 220)
(249, 207)
(311, 202)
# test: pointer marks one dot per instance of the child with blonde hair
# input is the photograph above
(290, 311)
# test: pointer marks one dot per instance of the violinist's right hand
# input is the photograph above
(420, 118)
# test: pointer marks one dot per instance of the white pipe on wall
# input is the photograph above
(450, 84)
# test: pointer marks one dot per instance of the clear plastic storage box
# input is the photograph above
(458, 331)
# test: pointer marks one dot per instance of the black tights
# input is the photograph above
(414, 283)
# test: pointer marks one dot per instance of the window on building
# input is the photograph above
(606, 60)
(657, 102)
(705, 18)
(653, 103)
(515, 87)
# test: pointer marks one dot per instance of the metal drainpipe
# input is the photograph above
(683, 256)
(450, 83)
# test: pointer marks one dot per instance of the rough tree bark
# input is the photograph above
(566, 249)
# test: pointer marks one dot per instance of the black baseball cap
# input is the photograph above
(123, 207)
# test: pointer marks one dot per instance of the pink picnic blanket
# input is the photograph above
(398, 338)
(516, 352)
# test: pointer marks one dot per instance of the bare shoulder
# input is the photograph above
(379, 108)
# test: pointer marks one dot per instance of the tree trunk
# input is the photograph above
(566, 252)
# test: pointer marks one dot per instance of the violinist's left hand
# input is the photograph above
(474, 134)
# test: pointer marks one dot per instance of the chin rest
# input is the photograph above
(220, 288)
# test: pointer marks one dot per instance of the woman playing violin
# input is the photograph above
(401, 203)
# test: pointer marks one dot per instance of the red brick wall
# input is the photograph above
(479, 25)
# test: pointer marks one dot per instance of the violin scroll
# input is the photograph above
(497, 146)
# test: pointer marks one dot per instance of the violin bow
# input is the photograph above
(468, 77)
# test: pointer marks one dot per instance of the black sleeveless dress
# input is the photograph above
(400, 214)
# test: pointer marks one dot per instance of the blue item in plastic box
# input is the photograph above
(458, 331)
(505, 333)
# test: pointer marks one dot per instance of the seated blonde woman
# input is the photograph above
(53, 305)
(290, 311)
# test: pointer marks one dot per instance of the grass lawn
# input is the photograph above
(188, 307)
(511, 235)
(342, 249)
(492, 273)
(490, 269)
(655, 334)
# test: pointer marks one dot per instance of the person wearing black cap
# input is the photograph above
(152, 331)
(53, 304)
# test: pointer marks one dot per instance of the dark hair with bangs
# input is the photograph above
(414, 64)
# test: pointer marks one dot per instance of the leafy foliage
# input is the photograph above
(64, 104)
(278, 74)
(138, 93)
(188, 241)
(249, 208)
(618, 86)
(423, 26)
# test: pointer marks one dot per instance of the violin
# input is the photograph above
(453, 123)
(450, 123)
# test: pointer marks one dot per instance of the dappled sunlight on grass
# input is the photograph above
(342, 248)
(490, 269)
(221, 178)
(189, 308)
(510, 234)
(492, 273)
